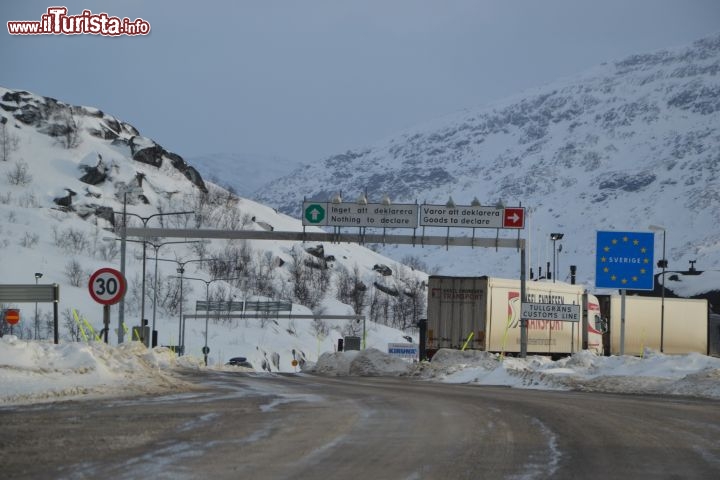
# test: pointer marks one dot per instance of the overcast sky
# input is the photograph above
(304, 79)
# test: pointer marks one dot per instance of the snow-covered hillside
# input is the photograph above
(64, 173)
(625, 145)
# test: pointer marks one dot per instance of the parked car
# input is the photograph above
(239, 362)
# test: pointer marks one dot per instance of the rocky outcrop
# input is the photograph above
(58, 120)
(65, 201)
(95, 175)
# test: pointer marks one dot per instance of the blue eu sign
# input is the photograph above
(624, 260)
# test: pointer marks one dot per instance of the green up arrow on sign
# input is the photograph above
(314, 214)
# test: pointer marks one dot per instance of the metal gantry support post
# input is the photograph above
(523, 299)
(662, 302)
(157, 247)
(206, 350)
(123, 250)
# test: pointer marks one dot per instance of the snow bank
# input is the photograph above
(32, 371)
(369, 362)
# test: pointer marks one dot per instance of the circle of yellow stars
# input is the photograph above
(634, 278)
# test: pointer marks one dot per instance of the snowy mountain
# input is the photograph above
(65, 172)
(625, 145)
(243, 173)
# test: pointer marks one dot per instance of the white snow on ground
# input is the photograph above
(36, 372)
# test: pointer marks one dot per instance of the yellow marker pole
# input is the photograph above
(137, 335)
(80, 327)
(505, 336)
(92, 330)
(467, 341)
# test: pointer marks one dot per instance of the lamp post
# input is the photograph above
(181, 270)
(144, 221)
(121, 313)
(157, 246)
(555, 237)
(207, 283)
(559, 251)
(663, 265)
(38, 276)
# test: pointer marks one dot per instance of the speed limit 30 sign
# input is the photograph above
(107, 286)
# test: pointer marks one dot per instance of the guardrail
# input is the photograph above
(265, 307)
(218, 306)
(268, 307)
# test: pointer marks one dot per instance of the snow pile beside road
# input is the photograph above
(34, 372)
(692, 374)
(365, 363)
(654, 373)
(446, 363)
(41, 371)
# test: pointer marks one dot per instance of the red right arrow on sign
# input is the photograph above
(514, 217)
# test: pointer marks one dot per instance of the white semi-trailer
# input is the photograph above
(684, 326)
(483, 313)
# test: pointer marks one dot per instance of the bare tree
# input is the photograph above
(74, 273)
(232, 261)
(107, 251)
(416, 263)
(9, 142)
(29, 240)
(350, 288)
(379, 307)
(72, 329)
(310, 281)
(19, 174)
(261, 273)
(71, 240)
(68, 129)
(409, 306)
(352, 328)
(320, 328)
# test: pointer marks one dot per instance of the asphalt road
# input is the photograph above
(305, 427)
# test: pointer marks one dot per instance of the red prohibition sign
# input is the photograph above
(107, 286)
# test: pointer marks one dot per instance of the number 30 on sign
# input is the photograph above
(107, 286)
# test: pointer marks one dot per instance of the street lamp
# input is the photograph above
(555, 237)
(206, 350)
(181, 270)
(662, 264)
(122, 301)
(144, 221)
(38, 276)
(157, 246)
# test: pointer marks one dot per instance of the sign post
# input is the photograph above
(107, 287)
(624, 260)
(12, 317)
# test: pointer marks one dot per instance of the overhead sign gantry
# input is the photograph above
(384, 215)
